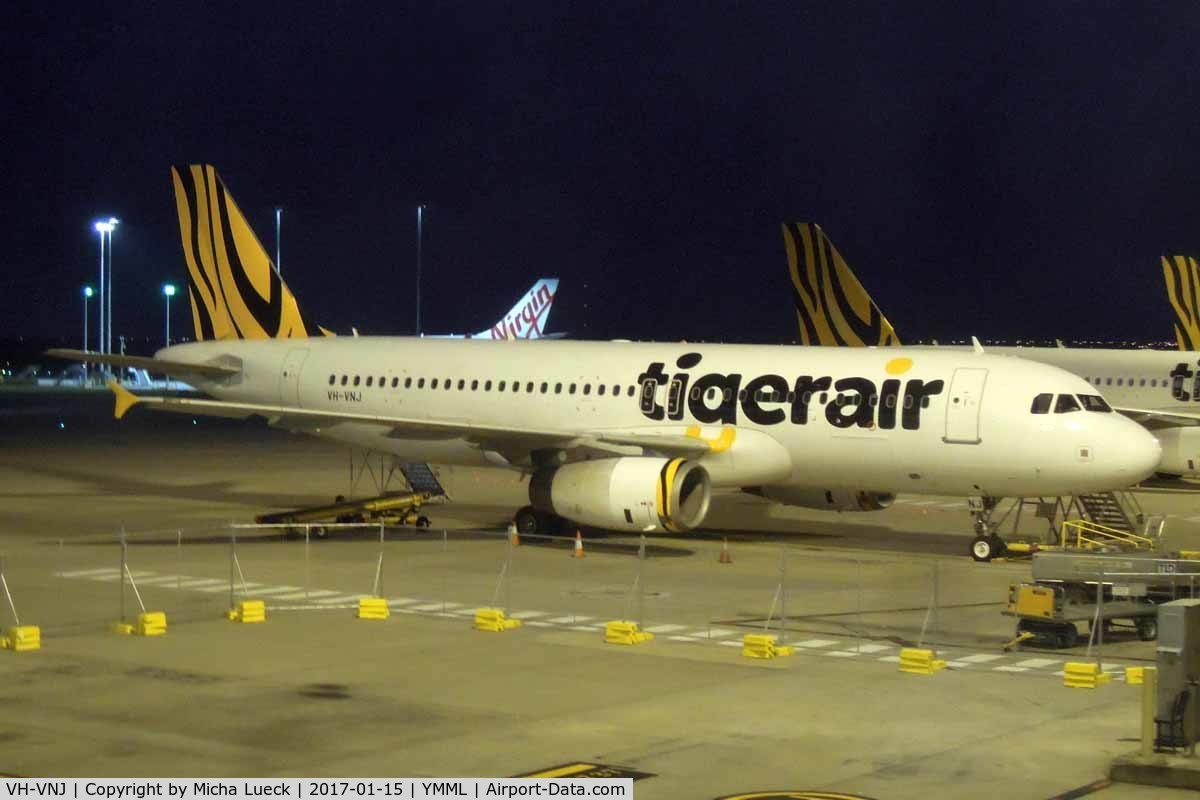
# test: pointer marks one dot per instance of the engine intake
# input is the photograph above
(633, 493)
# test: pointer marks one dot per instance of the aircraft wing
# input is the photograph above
(507, 439)
(145, 362)
(1161, 419)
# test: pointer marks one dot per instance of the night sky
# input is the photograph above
(1012, 170)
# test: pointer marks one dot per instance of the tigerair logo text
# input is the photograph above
(771, 399)
(526, 323)
(1183, 378)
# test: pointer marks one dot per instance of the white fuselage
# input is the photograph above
(917, 421)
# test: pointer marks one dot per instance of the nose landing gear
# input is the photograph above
(987, 543)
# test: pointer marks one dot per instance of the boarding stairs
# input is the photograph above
(1106, 509)
(421, 479)
(1111, 520)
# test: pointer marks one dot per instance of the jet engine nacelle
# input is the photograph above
(632, 493)
(1180, 451)
(842, 499)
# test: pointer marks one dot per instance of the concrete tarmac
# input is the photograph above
(314, 691)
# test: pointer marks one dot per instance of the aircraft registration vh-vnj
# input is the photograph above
(633, 436)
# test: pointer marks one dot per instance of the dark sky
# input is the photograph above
(1006, 170)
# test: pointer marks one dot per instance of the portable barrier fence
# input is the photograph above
(678, 589)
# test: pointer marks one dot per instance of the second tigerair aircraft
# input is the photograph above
(633, 436)
(1158, 388)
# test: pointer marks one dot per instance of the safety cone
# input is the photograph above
(578, 545)
(725, 558)
(514, 538)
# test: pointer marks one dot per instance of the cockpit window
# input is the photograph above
(1065, 404)
(1041, 404)
(1094, 402)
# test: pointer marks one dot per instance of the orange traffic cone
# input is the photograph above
(725, 558)
(513, 537)
(578, 545)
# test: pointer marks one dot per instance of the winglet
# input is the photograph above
(975, 345)
(125, 398)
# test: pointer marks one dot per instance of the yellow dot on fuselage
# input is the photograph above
(898, 366)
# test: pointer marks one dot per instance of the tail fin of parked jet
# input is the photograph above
(1183, 290)
(526, 319)
(833, 308)
(235, 290)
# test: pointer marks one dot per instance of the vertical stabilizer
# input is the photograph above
(832, 307)
(1183, 291)
(526, 319)
(235, 290)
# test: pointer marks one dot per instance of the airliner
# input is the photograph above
(525, 320)
(1159, 388)
(634, 436)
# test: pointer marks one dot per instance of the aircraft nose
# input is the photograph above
(1140, 452)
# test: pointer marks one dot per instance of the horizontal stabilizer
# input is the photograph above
(145, 362)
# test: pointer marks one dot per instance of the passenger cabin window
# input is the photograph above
(408, 383)
(332, 379)
(344, 379)
(370, 379)
(356, 380)
(1065, 404)
(395, 382)
(420, 383)
(433, 383)
(1041, 404)
(1094, 402)
(487, 386)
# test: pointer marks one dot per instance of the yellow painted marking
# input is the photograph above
(720, 444)
(561, 772)
(899, 366)
(125, 398)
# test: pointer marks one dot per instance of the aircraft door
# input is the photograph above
(963, 405)
(289, 377)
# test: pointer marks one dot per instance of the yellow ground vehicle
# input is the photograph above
(390, 509)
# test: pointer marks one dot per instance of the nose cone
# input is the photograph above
(1140, 452)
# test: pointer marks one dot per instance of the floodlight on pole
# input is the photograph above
(168, 292)
(108, 294)
(105, 229)
(420, 213)
(88, 292)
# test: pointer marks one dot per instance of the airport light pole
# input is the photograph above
(88, 291)
(168, 292)
(278, 257)
(420, 212)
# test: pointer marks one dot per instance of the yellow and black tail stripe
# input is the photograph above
(234, 288)
(663, 499)
(832, 306)
(1183, 290)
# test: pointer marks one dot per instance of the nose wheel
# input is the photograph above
(986, 547)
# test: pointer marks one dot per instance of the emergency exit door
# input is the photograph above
(963, 405)
(289, 377)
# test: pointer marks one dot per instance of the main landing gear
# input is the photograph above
(987, 543)
(533, 523)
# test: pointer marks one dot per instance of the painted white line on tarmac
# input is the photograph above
(980, 658)
(1038, 663)
(267, 591)
(817, 643)
(85, 573)
(311, 594)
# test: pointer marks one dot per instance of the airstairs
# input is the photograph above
(421, 479)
